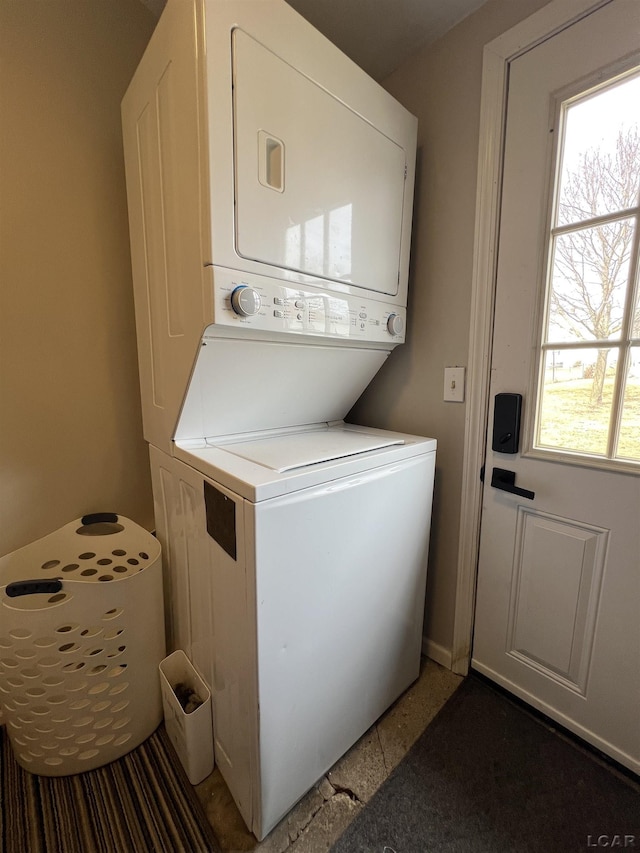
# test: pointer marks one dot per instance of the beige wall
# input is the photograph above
(70, 424)
(441, 86)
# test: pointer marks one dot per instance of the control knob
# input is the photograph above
(395, 324)
(245, 301)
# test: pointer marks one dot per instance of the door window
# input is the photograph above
(589, 375)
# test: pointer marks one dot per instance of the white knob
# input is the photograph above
(245, 301)
(395, 324)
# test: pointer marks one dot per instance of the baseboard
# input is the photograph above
(437, 652)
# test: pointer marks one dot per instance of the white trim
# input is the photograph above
(436, 652)
(498, 54)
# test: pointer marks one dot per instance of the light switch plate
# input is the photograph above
(454, 384)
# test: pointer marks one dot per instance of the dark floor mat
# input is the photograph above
(488, 777)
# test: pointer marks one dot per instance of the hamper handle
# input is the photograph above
(99, 518)
(31, 587)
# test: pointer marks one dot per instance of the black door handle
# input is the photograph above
(505, 480)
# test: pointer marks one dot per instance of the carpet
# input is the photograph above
(141, 802)
(486, 776)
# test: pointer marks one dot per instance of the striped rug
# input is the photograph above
(142, 802)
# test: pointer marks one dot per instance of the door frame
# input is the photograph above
(497, 57)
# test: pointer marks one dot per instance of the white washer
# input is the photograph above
(306, 591)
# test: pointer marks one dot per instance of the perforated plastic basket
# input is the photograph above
(81, 637)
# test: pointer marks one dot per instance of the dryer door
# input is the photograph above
(319, 190)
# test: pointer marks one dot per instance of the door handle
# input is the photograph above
(506, 480)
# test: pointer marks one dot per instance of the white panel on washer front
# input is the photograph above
(319, 190)
(340, 580)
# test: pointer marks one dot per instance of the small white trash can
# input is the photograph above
(190, 733)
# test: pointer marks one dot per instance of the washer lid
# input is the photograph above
(297, 450)
(324, 453)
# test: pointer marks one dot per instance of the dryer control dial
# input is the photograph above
(395, 324)
(246, 301)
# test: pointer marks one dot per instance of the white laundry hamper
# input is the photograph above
(81, 637)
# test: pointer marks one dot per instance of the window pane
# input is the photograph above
(589, 317)
(629, 440)
(589, 282)
(576, 400)
(601, 154)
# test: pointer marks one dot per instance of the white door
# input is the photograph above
(558, 596)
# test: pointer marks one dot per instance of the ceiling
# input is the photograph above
(377, 34)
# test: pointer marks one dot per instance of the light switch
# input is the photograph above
(454, 384)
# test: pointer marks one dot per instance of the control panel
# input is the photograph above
(262, 303)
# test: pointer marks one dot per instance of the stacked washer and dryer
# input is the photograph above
(270, 187)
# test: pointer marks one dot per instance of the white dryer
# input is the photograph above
(270, 187)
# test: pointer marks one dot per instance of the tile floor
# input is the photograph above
(322, 815)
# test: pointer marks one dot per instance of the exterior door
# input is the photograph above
(558, 595)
